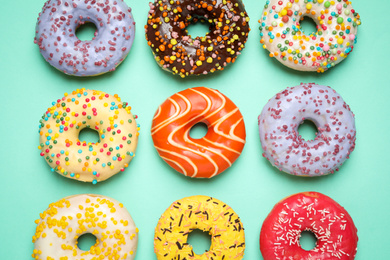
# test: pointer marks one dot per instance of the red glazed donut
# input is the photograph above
(207, 156)
(332, 225)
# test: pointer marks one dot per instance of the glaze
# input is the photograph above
(206, 214)
(210, 155)
(56, 35)
(179, 53)
(285, 148)
(111, 118)
(308, 211)
(334, 40)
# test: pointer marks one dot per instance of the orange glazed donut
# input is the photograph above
(207, 156)
(308, 211)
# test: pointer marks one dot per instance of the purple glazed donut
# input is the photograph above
(287, 150)
(56, 35)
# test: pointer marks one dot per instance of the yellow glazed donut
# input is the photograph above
(206, 214)
(111, 118)
(66, 220)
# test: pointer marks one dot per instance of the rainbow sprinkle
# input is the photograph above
(111, 118)
(283, 36)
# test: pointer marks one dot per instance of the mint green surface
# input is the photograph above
(148, 186)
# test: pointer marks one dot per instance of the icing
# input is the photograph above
(284, 147)
(56, 35)
(179, 53)
(308, 211)
(283, 36)
(91, 162)
(60, 226)
(206, 214)
(207, 156)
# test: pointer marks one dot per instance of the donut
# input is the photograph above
(111, 118)
(210, 155)
(308, 211)
(55, 35)
(287, 150)
(60, 226)
(282, 35)
(203, 213)
(177, 52)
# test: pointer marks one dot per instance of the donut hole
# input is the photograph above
(86, 31)
(200, 241)
(307, 240)
(89, 135)
(308, 25)
(199, 130)
(198, 27)
(85, 241)
(307, 130)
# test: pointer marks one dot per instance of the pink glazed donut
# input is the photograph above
(56, 35)
(287, 150)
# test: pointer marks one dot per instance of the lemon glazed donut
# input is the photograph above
(206, 214)
(308, 211)
(210, 155)
(60, 226)
(285, 148)
(177, 52)
(56, 35)
(111, 118)
(282, 35)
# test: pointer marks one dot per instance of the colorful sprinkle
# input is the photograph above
(60, 127)
(177, 52)
(282, 35)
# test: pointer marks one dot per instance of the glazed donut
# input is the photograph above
(60, 226)
(175, 50)
(285, 148)
(56, 35)
(284, 38)
(207, 156)
(206, 214)
(308, 211)
(111, 118)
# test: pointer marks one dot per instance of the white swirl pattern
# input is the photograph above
(208, 156)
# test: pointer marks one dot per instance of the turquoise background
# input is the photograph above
(148, 186)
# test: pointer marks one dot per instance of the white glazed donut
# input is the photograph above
(59, 45)
(334, 40)
(60, 226)
(111, 118)
(285, 148)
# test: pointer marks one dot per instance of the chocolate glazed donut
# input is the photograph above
(175, 51)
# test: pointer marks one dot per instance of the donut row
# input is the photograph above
(204, 157)
(176, 51)
(65, 221)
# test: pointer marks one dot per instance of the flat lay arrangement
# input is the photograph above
(167, 130)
